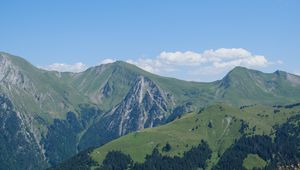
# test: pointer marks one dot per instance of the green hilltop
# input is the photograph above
(227, 126)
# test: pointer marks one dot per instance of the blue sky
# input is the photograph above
(171, 38)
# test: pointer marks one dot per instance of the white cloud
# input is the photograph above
(153, 66)
(220, 58)
(189, 65)
(207, 65)
(180, 58)
(77, 67)
(61, 67)
(107, 61)
(279, 62)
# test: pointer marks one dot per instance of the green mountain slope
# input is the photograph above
(219, 125)
(36, 90)
(242, 86)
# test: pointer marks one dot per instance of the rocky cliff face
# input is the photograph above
(18, 145)
(33, 90)
(12, 79)
(20, 137)
(146, 105)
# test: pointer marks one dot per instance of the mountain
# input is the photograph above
(224, 128)
(51, 115)
(242, 85)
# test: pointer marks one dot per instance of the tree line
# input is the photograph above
(192, 159)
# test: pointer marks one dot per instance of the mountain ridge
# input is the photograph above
(81, 110)
(120, 63)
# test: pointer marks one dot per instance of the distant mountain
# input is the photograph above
(243, 85)
(52, 115)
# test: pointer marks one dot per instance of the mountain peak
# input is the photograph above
(239, 68)
(121, 63)
(6, 62)
(280, 73)
(238, 71)
(125, 67)
(114, 67)
(12, 60)
(8, 56)
(4, 56)
(242, 71)
(238, 76)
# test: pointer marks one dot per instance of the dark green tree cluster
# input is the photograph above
(62, 137)
(234, 156)
(244, 127)
(192, 159)
(290, 106)
(60, 141)
(283, 151)
(210, 124)
(81, 161)
(167, 147)
(116, 160)
(287, 143)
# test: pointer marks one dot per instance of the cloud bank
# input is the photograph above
(107, 61)
(61, 67)
(76, 68)
(208, 65)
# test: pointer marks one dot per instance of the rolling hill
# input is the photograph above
(221, 126)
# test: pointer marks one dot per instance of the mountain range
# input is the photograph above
(47, 117)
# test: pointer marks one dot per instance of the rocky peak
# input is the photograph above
(293, 79)
(144, 106)
(9, 72)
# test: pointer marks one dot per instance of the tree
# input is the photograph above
(167, 147)
(210, 124)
